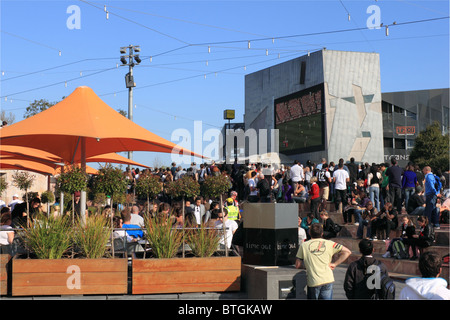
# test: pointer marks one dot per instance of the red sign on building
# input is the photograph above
(407, 130)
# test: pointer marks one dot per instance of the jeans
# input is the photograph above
(357, 213)
(395, 194)
(374, 195)
(360, 231)
(430, 209)
(315, 207)
(324, 292)
(408, 193)
(417, 211)
(341, 196)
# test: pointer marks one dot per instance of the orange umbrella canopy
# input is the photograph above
(27, 165)
(114, 158)
(23, 153)
(83, 121)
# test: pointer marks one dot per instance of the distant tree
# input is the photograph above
(431, 148)
(123, 112)
(8, 118)
(38, 106)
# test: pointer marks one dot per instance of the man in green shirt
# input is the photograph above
(315, 256)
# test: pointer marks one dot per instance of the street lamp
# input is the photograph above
(133, 59)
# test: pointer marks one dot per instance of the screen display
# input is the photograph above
(300, 121)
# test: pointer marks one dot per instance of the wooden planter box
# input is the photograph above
(37, 277)
(181, 275)
(4, 259)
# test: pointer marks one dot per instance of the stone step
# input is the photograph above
(380, 246)
(441, 235)
(402, 269)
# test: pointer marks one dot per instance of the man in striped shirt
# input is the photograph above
(315, 256)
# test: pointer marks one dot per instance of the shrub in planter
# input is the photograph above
(92, 236)
(163, 240)
(48, 237)
(203, 241)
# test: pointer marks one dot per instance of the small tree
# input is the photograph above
(70, 180)
(112, 182)
(148, 185)
(431, 148)
(47, 197)
(185, 187)
(3, 185)
(215, 187)
(24, 181)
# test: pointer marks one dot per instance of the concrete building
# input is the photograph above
(407, 113)
(324, 105)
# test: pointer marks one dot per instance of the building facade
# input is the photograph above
(407, 113)
(326, 104)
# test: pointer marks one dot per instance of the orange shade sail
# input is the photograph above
(34, 166)
(115, 158)
(23, 153)
(82, 126)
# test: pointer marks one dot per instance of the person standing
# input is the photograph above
(340, 180)
(230, 226)
(353, 169)
(394, 172)
(431, 193)
(323, 180)
(296, 174)
(373, 182)
(409, 183)
(315, 256)
(14, 201)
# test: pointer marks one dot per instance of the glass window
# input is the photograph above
(410, 144)
(411, 115)
(400, 144)
(397, 109)
(386, 107)
(388, 142)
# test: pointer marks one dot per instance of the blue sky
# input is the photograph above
(184, 81)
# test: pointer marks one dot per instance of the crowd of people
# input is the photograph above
(371, 195)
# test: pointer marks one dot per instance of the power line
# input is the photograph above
(193, 22)
(32, 41)
(56, 83)
(317, 33)
(136, 23)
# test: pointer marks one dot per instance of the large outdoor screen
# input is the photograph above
(300, 121)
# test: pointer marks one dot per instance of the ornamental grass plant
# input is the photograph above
(48, 237)
(203, 241)
(162, 238)
(92, 237)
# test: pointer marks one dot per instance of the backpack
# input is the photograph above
(437, 183)
(264, 188)
(399, 250)
(201, 176)
(337, 228)
(387, 286)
